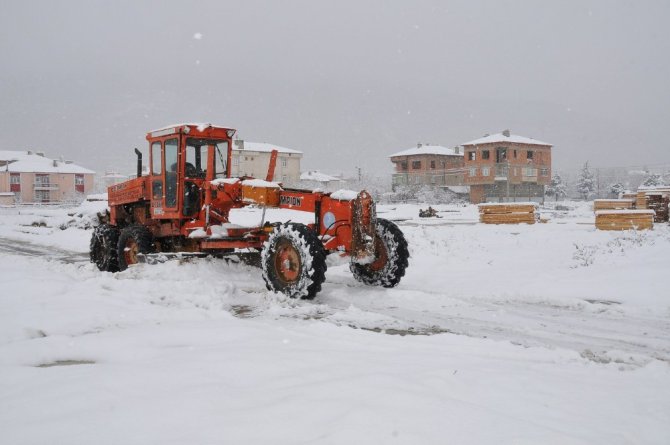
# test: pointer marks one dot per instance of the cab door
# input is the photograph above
(157, 198)
(164, 178)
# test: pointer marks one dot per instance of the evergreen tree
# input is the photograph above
(557, 188)
(653, 180)
(617, 189)
(586, 184)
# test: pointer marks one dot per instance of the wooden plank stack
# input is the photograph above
(613, 204)
(658, 202)
(624, 219)
(507, 213)
(641, 200)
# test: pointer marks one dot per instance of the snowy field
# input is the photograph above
(544, 334)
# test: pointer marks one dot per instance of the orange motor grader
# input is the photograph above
(182, 206)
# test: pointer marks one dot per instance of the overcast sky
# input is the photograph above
(346, 82)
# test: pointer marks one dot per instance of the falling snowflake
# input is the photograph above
(197, 36)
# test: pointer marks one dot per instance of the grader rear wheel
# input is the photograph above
(294, 261)
(391, 257)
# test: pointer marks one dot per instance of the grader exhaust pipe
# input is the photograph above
(139, 162)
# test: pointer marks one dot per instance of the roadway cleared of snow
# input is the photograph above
(549, 333)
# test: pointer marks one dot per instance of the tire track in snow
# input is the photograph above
(26, 248)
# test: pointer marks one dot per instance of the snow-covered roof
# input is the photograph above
(30, 162)
(200, 126)
(264, 147)
(428, 150)
(502, 137)
(315, 175)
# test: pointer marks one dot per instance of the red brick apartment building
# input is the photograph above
(428, 164)
(507, 167)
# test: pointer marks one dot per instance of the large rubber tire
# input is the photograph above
(133, 240)
(103, 249)
(391, 257)
(294, 261)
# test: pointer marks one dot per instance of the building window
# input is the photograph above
(236, 160)
(530, 171)
(514, 154)
(486, 171)
(79, 183)
(284, 162)
(432, 164)
(472, 156)
(41, 180)
(15, 182)
(529, 154)
(485, 154)
(42, 196)
(416, 165)
(473, 171)
(403, 165)
(501, 155)
(544, 172)
(283, 178)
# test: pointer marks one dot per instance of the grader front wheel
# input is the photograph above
(294, 261)
(103, 248)
(133, 240)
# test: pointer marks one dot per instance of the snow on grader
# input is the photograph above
(182, 207)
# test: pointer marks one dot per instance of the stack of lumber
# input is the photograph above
(641, 200)
(624, 219)
(507, 213)
(613, 204)
(658, 202)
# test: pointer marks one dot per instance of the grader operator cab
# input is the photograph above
(182, 206)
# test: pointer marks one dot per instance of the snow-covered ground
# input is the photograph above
(551, 333)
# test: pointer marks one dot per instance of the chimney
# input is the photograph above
(506, 133)
(457, 149)
(419, 145)
(30, 152)
(55, 163)
(39, 153)
(67, 161)
(239, 144)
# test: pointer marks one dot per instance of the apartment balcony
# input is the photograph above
(45, 186)
(400, 178)
(501, 172)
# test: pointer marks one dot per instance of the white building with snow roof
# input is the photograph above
(253, 159)
(428, 164)
(33, 178)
